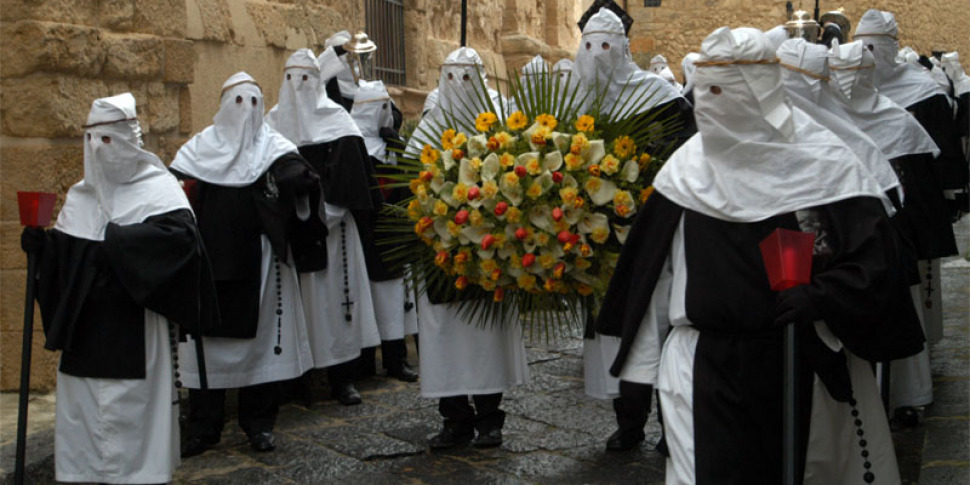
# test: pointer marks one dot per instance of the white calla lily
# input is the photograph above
(490, 167)
(476, 145)
(596, 152)
(447, 159)
(552, 161)
(467, 173)
(621, 232)
(600, 190)
(631, 171)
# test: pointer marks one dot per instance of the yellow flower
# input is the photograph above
(475, 164)
(414, 184)
(513, 215)
(584, 289)
(540, 135)
(526, 281)
(542, 239)
(594, 170)
(585, 123)
(506, 160)
(580, 143)
(447, 139)
(475, 217)
(534, 191)
(459, 139)
(610, 165)
(559, 270)
(573, 162)
(547, 120)
(484, 121)
(517, 121)
(489, 189)
(622, 197)
(593, 184)
(486, 284)
(645, 194)
(492, 144)
(644, 161)
(568, 195)
(462, 256)
(488, 266)
(453, 229)
(582, 263)
(622, 210)
(496, 274)
(440, 208)
(414, 210)
(429, 156)
(624, 147)
(502, 138)
(441, 258)
(533, 166)
(460, 193)
(585, 250)
(578, 203)
(600, 234)
(547, 261)
(510, 179)
(499, 295)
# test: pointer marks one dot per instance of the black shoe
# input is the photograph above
(262, 441)
(346, 394)
(906, 416)
(451, 436)
(403, 373)
(197, 445)
(620, 441)
(488, 439)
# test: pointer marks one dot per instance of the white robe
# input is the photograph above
(598, 355)
(233, 363)
(120, 430)
(393, 321)
(334, 340)
(458, 358)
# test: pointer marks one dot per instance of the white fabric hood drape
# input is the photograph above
(532, 75)
(658, 63)
(238, 147)
(688, 69)
(813, 95)
(459, 94)
(903, 83)
(953, 69)
(122, 183)
(305, 115)
(893, 128)
(431, 102)
(754, 156)
(776, 36)
(371, 112)
(604, 60)
(332, 65)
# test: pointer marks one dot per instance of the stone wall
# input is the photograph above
(679, 26)
(174, 55)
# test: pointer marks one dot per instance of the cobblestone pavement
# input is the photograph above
(553, 434)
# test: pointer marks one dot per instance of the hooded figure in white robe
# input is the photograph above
(659, 66)
(336, 294)
(606, 68)
(249, 187)
(378, 120)
(532, 78)
(692, 264)
(458, 357)
(122, 267)
(687, 69)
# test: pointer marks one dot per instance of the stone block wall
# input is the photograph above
(679, 26)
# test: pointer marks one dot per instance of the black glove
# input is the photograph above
(339, 50)
(392, 138)
(295, 177)
(795, 306)
(32, 239)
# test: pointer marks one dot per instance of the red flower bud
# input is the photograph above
(461, 217)
(521, 233)
(528, 260)
(473, 193)
(564, 237)
(557, 177)
(487, 241)
(556, 214)
(521, 171)
(501, 207)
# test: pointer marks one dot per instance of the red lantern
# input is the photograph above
(788, 258)
(36, 208)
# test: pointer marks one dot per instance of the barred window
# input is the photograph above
(385, 25)
(651, 3)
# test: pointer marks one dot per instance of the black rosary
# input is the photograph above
(343, 253)
(173, 342)
(408, 304)
(928, 303)
(868, 476)
(279, 307)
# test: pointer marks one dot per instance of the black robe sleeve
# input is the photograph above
(275, 195)
(936, 116)
(860, 291)
(162, 264)
(637, 271)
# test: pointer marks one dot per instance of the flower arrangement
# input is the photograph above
(531, 206)
(528, 205)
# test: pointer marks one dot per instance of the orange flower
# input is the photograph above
(441, 258)
(461, 257)
(584, 289)
(539, 138)
(457, 154)
(624, 147)
(585, 123)
(645, 194)
(558, 270)
(492, 144)
(579, 203)
(517, 121)
(461, 283)
(594, 170)
(484, 121)
(496, 274)
(447, 139)
(429, 155)
(499, 295)
(643, 161)
(585, 250)
(547, 121)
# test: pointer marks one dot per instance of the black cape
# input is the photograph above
(93, 294)
(232, 221)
